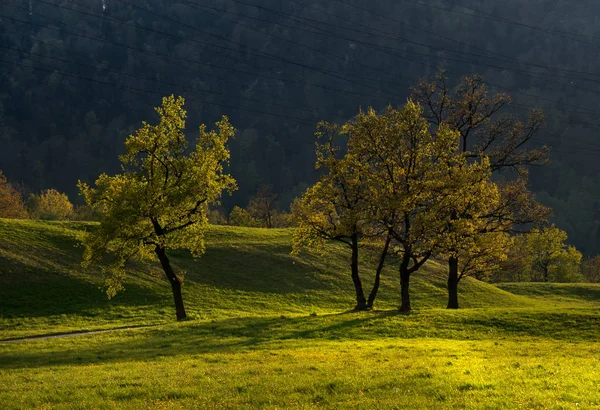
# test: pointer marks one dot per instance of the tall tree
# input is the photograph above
(482, 130)
(160, 199)
(591, 269)
(334, 208)
(411, 186)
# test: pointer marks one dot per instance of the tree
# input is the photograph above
(240, 217)
(470, 241)
(51, 205)
(551, 257)
(482, 130)
(517, 265)
(410, 186)
(263, 206)
(334, 209)
(483, 257)
(159, 201)
(484, 243)
(11, 201)
(591, 269)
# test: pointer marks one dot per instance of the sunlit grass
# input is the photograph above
(271, 330)
(333, 361)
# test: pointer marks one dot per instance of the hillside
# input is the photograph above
(245, 271)
(270, 330)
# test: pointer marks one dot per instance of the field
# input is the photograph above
(271, 330)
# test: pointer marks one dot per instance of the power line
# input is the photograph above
(170, 58)
(137, 89)
(536, 96)
(492, 17)
(389, 51)
(396, 21)
(377, 46)
(257, 52)
(312, 49)
(196, 92)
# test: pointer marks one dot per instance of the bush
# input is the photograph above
(11, 201)
(51, 205)
(240, 217)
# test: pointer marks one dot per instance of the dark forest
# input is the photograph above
(78, 76)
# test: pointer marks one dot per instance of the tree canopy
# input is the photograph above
(159, 200)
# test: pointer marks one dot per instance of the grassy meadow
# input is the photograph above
(272, 330)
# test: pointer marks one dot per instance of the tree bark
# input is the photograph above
(361, 302)
(404, 284)
(380, 266)
(173, 280)
(546, 274)
(452, 282)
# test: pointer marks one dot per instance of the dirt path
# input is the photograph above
(71, 334)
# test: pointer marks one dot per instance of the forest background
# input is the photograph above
(76, 78)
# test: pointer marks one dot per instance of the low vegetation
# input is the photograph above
(268, 329)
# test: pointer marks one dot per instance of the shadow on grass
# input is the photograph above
(243, 334)
(70, 295)
(587, 292)
(263, 268)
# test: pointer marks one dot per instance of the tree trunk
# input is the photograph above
(545, 274)
(404, 292)
(361, 302)
(452, 282)
(173, 280)
(375, 289)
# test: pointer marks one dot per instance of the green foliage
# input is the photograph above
(216, 216)
(85, 213)
(542, 255)
(240, 217)
(284, 220)
(551, 258)
(335, 208)
(50, 205)
(485, 253)
(159, 200)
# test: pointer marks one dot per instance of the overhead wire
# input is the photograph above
(170, 59)
(580, 113)
(421, 54)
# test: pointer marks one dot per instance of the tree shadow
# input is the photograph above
(263, 269)
(201, 340)
(58, 294)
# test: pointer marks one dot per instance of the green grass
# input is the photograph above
(271, 330)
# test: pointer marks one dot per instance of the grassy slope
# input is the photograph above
(43, 289)
(254, 343)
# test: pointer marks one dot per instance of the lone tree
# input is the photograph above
(51, 205)
(263, 206)
(159, 201)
